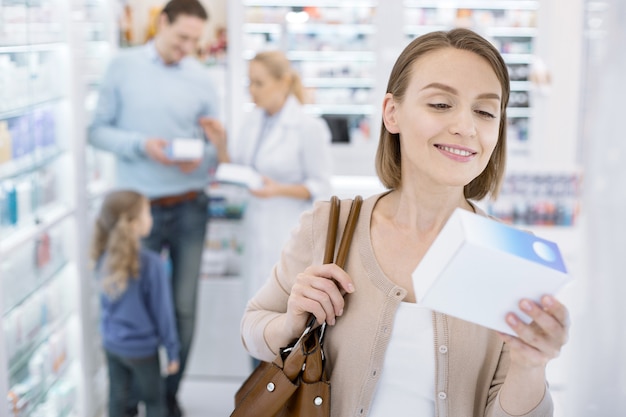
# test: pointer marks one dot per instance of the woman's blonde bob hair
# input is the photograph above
(388, 155)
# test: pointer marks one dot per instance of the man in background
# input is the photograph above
(149, 96)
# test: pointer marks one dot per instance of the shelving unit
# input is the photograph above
(46, 359)
(330, 44)
(40, 342)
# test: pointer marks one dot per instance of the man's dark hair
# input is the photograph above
(175, 8)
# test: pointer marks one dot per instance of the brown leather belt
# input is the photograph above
(172, 200)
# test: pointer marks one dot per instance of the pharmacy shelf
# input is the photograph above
(316, 3)
(41, 47)
(47, 218)
(474, 4)
(494, 32)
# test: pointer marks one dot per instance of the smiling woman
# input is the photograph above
(442, 143)
(448, 121)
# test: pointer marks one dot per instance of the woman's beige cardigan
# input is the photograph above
(471, 361)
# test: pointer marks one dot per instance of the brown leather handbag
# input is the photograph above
(297, 383)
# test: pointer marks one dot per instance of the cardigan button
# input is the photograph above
(443, 349)
(271, 387)
(442, 395)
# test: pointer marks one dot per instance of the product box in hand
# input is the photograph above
(478, 269)
(185, 149)
(238, 174)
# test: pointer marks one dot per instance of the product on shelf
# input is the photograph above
(538, 199)
(331, 48)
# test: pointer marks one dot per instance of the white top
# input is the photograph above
(407, 381)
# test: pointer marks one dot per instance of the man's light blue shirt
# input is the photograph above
(143, 98)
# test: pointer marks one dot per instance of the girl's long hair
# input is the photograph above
(115, 238)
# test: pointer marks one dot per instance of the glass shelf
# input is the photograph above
(42, 282)
(494, 32)
(343, 56)
(474, 4)
(310, 28)
(30, 163)
(39, 397)
(338, 82)
(6, 113)
(40, 47)
(316, 3)
(45, 218)
(19, 363)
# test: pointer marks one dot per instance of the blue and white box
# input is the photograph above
(478, 270)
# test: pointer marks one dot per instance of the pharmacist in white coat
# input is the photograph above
(289, 148)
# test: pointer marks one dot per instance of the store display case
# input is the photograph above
(49, 52)
(331, 46)
(41, 340)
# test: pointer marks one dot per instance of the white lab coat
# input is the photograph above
(295, 151)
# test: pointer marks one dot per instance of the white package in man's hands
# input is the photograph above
(478, 270)
(239, 174)
(183, 149)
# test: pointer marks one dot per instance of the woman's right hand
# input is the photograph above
(318, 290)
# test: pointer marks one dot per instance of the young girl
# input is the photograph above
(136, 301)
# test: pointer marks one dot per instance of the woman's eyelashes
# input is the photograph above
(487, 114)
(439, 106)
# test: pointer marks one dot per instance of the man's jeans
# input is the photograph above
(181, 228)
(145, 374)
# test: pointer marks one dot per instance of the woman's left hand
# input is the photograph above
(270, 188)
(541, 340)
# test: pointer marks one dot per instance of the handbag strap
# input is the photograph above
(348, 232)
(331, 237)
(331, 234)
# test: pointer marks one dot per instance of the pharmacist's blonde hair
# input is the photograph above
(115, 241)
(388, 155)
(280, 68)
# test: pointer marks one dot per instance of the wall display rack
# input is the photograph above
(41, 337)
(44, 350)
(331, 46)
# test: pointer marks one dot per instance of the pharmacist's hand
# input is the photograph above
(318, 290)
(541, 340)
(155, 149)
(172, 367)
(188, 166)
(269, 189)
(214, 131)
